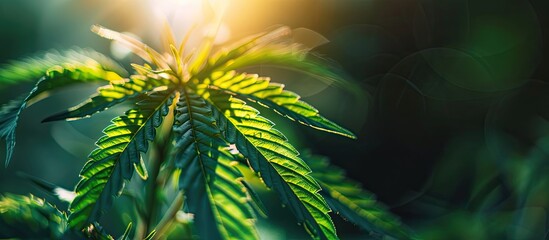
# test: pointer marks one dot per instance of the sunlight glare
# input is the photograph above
(183, 14)
(64, 194)
(119, 50)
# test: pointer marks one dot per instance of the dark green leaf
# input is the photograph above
(214, 191)
(9, 115)
(349, 200)
(256, 202)
(50, 188)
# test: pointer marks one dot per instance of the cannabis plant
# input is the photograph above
(187, 134)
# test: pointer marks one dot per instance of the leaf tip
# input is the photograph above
(9, 154)
(351, 136)
(104, 32)
(95, 28)
(56, 117)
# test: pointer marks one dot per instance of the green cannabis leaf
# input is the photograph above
(55, 77)
(349, 200)
(31, 69)
(118, 153)
(216, 195)
(275, 160)
(272, 95)
(108, 96)
(196, 101)
(30, 217)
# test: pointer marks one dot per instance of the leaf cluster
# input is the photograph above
(191, 109)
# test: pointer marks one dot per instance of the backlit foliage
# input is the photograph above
(194, 104)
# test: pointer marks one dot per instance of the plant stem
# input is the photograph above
(152, 192)
(156, 182)
(169, 216)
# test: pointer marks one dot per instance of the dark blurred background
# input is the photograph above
(451, 114)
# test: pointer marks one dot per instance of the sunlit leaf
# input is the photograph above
(207, 118)
(291, 57)
(226, 56)
(62, 76)
(140, 49)
(33, 68)
(273, 95)
(276, 49)
(112, 163)
(55, 78)
(150, 235)
(108, 96)
(276, 160)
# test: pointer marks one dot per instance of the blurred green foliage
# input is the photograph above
(30, 217)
